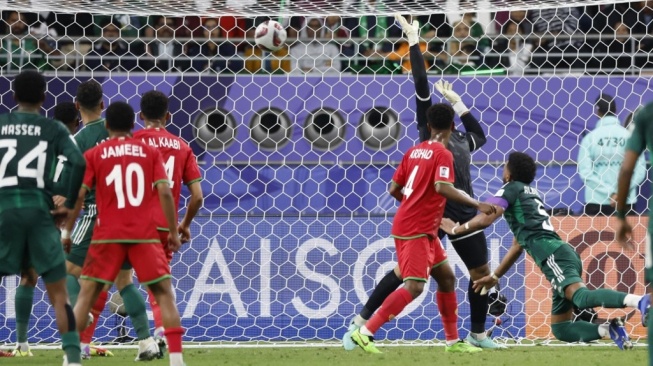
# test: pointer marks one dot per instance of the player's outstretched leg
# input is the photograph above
(24, 300)
(135, 308)
(55, 284)
(162, 290)
(448, 307)
(86, 336)
(386, 286)
(391, 307)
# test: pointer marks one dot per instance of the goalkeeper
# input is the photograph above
(472, 247)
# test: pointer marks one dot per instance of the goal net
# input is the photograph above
(298, 147)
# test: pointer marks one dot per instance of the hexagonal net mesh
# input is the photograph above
(298, 146)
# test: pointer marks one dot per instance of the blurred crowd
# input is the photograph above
(601, 39)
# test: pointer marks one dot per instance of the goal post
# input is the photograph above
(295, 229)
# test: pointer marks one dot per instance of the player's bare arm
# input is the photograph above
(395, 191)
(479, 222)
(194, 204)
(507, 262)
(449, 192)
(168, 206)
(624, 229)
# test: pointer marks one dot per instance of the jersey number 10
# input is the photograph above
(134, 178)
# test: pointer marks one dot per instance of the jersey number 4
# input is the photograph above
(134, 178)
(408, 189)
(38, 153)
(170, 169)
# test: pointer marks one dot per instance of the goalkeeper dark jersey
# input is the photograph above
(461, 144)
(527, 219)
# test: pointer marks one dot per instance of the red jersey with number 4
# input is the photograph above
(421, 209)
(179, 161)
(125, 172)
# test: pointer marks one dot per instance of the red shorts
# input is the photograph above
(417, 256)
(103, 262)
(163, 236)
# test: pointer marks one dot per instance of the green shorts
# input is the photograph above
(562, 268)
(29, 238)
(81, 237)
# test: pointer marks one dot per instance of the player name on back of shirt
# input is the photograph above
(122, 150)
(421, 154)
(21, 130)
(163, 142)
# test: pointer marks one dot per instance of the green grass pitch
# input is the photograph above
(392, 356)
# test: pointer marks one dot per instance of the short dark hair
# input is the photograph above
(154, 104)
(89, 94)
(522, 167)
(66, 113)
(606, 104)
(29, 87)
(440, 116)
(120, 117)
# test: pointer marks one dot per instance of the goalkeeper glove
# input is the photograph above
(411, 31)
(446, 89)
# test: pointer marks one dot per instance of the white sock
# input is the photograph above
(604, 330)
(479, 336)
(358, 320)
(632, 301)
(366, 331)
(24, 346)
(452, 342)
(176, 359)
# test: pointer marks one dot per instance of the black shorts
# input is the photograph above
(471, 248)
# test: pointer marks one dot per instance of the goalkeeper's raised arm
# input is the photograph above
(473, 131)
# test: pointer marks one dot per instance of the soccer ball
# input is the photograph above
(270, 36)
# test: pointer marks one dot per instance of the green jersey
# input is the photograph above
(641, 139)
(528, 221)
(88, 137)
(29, 146)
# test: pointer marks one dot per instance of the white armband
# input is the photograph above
(494, 276)
(65, 234)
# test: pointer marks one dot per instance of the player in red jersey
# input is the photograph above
(127, 175)
(181, 167)
(422, 183)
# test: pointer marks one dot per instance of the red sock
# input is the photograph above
(87, 335)
(156, 310)
(391, 307)
(448, 306)
(173, 336)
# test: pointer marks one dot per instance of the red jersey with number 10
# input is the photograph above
(124, 172)
(421, 209)
(179, 161)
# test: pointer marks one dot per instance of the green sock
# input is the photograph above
(584, 298)
(135, 307)
(70, 345)
(23, 302)
(72, 284)
(576, 331)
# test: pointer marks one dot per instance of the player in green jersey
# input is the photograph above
(29, 146)
(640, 140)
(66, 113)
(522, 207)
(90, 105)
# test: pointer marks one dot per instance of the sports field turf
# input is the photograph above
(393, 356)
